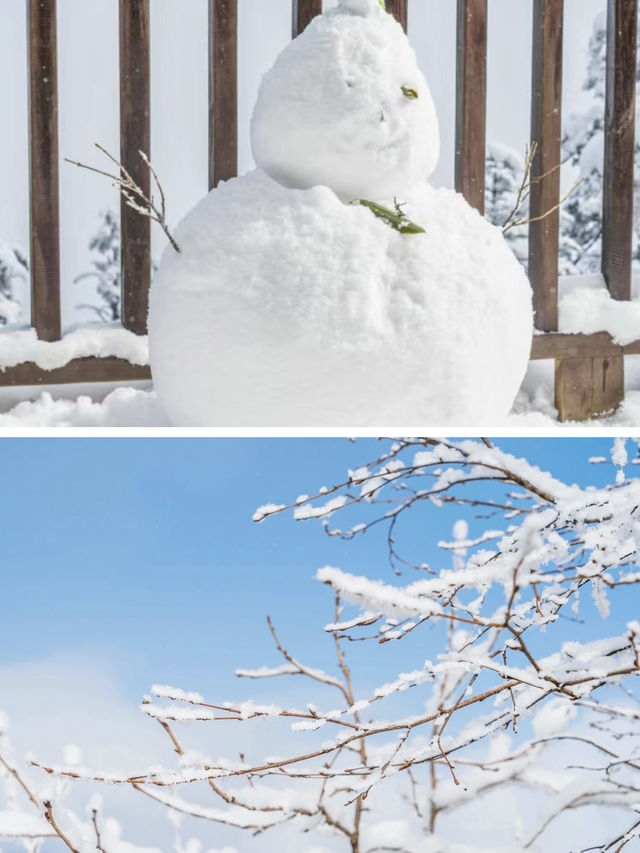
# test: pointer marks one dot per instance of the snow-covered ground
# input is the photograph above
(534, 404)
(584, 306)
(123, 407)
(140, 407)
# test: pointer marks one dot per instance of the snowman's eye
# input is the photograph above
(409, 93)
(349, 84)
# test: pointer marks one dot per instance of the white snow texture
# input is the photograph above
(332, 110)
(289, 307)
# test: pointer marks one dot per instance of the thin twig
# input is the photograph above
(48, 813)
(96, 828)
(544, 215)
(512, 221)
(20, 781)
(133, 194)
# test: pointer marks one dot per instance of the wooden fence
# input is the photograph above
(589, 373)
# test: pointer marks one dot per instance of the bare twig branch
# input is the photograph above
(48, 813)
(20, 781)
(515, 221)
(131, 191)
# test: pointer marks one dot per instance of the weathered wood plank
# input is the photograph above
(546, 131)
(588, 387)
(471, 101)
(78, 370)
(619, 140)
(559, 345)
(303, 11)
(135, 136)
(399, 8)
(223, 91)
(573, 388)
(607, 383)
(43, 170)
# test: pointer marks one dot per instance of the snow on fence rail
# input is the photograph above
(589, 368)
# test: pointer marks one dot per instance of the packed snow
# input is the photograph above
(368, 128)
(585, 305)
(284, 304)
(292, 303)
(101, 341)
(124, 407)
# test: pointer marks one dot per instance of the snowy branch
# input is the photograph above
(134, 196)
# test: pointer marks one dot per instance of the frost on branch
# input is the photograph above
(518, 669)
(33, 808)
(135, 197)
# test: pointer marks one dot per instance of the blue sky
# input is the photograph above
(143, 552)
(133, 561)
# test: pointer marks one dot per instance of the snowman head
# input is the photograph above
(346, 106)
(362, 7)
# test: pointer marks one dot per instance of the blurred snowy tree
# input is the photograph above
(583, 149)
(105, 248)
(13, 267)
(504, 173)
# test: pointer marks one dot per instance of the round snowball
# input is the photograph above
(346, 106)
(291, 308)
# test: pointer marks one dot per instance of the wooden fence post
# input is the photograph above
(471, 101)
(590, 386)
(546, 102)
(619, 141)
(135, 136)
(574, 377)
(302, 13)
(400, 9)
(223, 91)
(43, 170)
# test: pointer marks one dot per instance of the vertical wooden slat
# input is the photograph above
(303, 11)
(586, 387)
(546, 99)
(43, 170)
(135, 136)
(619, 140)
(399, 8)
(223, 91)
(471, 101)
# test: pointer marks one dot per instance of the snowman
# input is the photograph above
(333, 285)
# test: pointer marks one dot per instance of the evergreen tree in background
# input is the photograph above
(583, 149)
(583, 165)
(105, 249)
(13, 267)
(504, 170)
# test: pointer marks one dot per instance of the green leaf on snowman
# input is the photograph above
(409, 93)
(396, 219)
(382, 4)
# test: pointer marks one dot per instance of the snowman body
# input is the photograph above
(289, 306)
